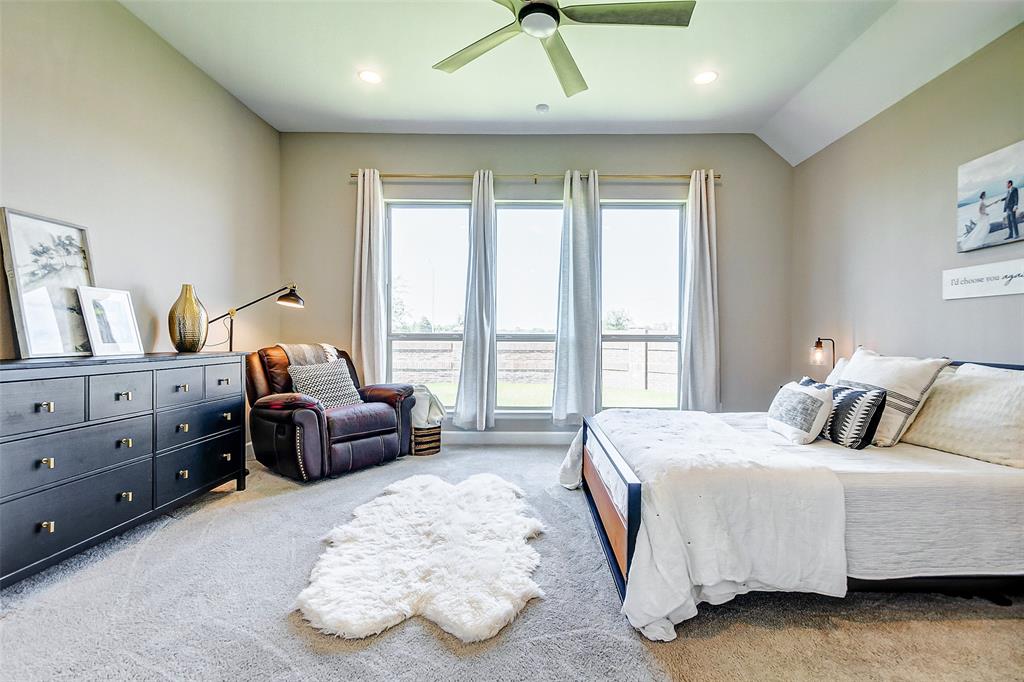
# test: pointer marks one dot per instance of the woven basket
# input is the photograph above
(426, 441)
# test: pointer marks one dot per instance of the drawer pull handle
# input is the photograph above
(128, 496)
(47, 406)
(183, 427)
(226, 415)
(181, 387)
(183, 473)
(223, 382)
(48, 462)
(127, 395)
(226, 457)
(48, 526)
(127, 442)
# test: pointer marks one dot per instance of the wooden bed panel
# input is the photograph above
(614, 524)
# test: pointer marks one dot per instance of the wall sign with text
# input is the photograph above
(990, 279)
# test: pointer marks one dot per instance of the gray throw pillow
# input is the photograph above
(329, 382)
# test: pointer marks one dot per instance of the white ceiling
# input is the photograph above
(294, 63)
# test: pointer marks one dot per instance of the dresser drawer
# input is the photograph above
(186, 470)
(34, 462)
(72, 514)
(43, 404)
(177, 427)
(223, 380)
(179, 386)
(113, 395)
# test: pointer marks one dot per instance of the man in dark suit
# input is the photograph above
(1010, 208)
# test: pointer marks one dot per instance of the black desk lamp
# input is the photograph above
(289, 298)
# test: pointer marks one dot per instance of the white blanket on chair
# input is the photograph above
(721, 514)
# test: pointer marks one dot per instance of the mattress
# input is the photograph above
(910, 511)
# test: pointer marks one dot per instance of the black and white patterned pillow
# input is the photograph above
(855, 415)
(328, 382)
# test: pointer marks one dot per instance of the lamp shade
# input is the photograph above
(818, 353)
(291, 299)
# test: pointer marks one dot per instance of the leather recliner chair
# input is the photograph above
(294, 435)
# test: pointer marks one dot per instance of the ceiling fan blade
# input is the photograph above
(639, 13)
(511, 5)
(471, 52)
(564, 65)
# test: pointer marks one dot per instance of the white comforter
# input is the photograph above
(722, 515)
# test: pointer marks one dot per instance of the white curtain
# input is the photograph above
(578, 332)
(369, 327)
(699, 383)
(478, 380)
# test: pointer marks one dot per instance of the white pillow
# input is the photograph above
(799, 412)
(971, 369)
(906, 382)
(837, 371)
(974, 416)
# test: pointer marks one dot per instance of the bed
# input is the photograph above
(914, 517)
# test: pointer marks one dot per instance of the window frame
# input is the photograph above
(676, 338)
(555, 204)
(391, 335)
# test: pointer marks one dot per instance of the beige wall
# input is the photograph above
(318, 209)
(105, 125)
(875, 218)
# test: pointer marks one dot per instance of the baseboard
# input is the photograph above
(507, 437)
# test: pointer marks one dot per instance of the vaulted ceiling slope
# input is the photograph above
(798, 73)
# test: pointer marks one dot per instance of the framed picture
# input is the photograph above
(46, 261)
(110, 321)
(988, 207)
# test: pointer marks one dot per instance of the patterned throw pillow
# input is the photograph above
(854, 417)
(329, 382)
(798, 412)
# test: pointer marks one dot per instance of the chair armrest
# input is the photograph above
(392, 394)
(289, 435)
(399, 397)
(288, 401)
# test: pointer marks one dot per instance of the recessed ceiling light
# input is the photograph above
(543, 108)
(368, 76)
(705, 77)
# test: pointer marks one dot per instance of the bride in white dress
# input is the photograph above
(977, 237)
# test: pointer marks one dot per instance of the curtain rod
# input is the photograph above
(532, 176)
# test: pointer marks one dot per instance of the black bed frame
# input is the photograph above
(994, 587)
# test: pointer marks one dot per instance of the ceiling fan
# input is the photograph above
(542, 18)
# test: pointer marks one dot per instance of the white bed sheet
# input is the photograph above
(913, 511)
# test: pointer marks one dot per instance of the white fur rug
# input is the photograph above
(455, 554)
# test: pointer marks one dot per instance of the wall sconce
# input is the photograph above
(818, 351)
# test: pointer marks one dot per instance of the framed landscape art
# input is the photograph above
(46, 261)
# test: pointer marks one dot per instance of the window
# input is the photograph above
(528, 247)
(429, 255)
(640, 279)
(640, 284)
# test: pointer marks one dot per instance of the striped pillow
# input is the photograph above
(855, 415)
(906, 382)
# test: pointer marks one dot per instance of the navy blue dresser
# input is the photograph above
(91, 447)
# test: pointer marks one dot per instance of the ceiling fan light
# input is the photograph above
(539, 20)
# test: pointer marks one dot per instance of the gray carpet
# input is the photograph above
(208, 593)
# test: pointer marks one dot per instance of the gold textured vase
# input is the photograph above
(188, 322)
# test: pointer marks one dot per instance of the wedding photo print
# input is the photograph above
(989, 212)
